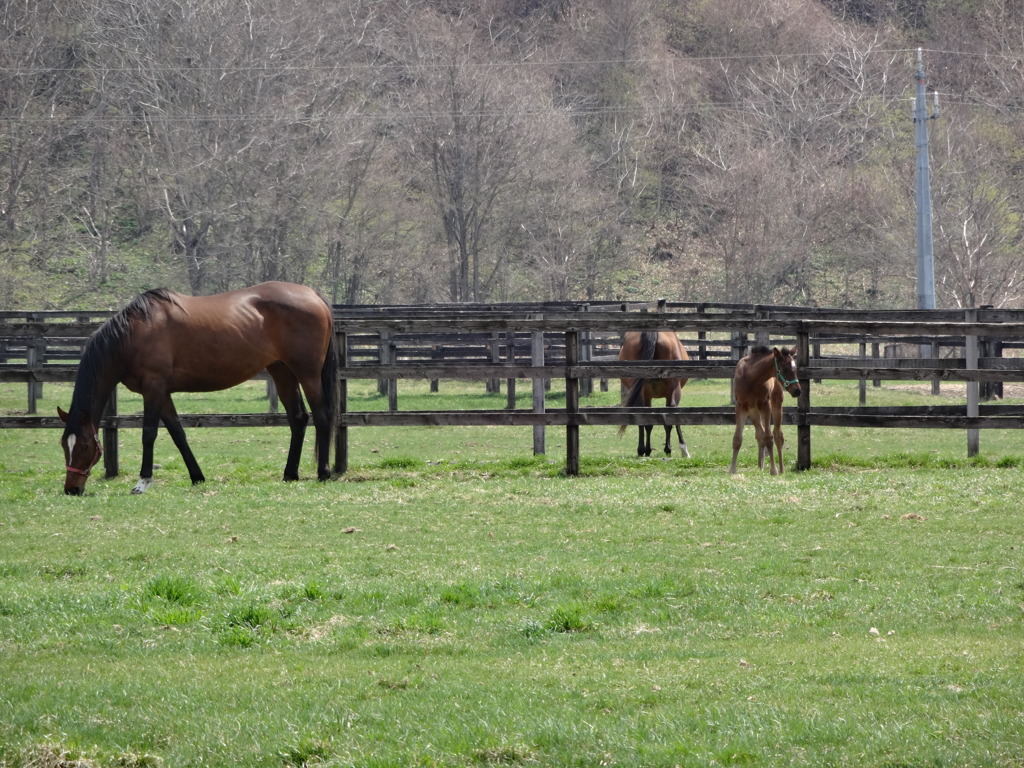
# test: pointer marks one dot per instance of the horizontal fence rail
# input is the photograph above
(579, 343)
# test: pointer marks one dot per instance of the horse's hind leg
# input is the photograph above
(644, 446)
(321, 412)
(640, 440)
(291, 398)
(764, 440)
(737, 437)
(673, 401)
(767, 449)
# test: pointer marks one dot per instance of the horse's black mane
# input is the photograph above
(107, 343)
(759, 350)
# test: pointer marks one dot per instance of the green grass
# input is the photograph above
(456, 601)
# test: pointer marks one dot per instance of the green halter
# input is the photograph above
(778, 374)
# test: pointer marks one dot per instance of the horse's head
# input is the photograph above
(785, 370)
(82, 450)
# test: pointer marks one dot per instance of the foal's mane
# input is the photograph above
(760, 350)
(106, 345)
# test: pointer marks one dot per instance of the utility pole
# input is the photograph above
(925, 251)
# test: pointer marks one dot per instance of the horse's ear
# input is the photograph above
(63, 414)
(793, 351)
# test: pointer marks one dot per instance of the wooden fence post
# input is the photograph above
(392, 382)
(997, 386)
(537, 361)
(510, 384)
(803, 403)
(572, 403)
(702, 349)
(971, 352)
(862, 384)
(436, 354)
(494, 384)
(274, 404)
(38, 347)
(989, 346)
(32, 358)
(762, 337)
(586, 355)
(386, 355)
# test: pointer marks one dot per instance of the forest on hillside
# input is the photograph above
(387, 151)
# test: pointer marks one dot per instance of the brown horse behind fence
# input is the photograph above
(757, 385)
(653, 345)
(164, 342)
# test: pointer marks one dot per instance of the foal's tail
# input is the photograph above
(635, 396)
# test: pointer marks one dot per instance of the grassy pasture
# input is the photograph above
(455, 601)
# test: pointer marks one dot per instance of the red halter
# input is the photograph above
(99, 452)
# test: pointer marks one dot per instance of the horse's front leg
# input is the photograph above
(150, 425)
(682, 442)
(169, 416)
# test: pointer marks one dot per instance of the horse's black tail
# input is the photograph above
(648, 345)
(635, 396)
(329, 386)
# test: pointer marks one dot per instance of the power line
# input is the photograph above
(757, 107)
(19, 71)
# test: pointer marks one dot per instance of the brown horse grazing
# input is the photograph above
(758, 383)
(653, 345)
(164, 342)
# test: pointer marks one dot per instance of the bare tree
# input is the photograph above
(613, 38)
(42, 71)
(416, 150)
(980, 223)
(236, 113)
(467, 132)
(40, 64)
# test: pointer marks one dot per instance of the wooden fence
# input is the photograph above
(577, 343)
